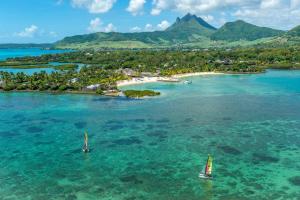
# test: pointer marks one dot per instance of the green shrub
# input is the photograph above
(63, 88)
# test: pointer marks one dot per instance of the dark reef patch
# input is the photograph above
(226, 118)
(43, 143)
(139, 120)
(18, 116)
(153, 144)
(80, 125)
(196, 136)
(34, 129)
(109, 122)
(229, 150)
(71, 197)
(165, 120)
(130, 179)
(9, 134)
(257, 158)
(150, 126)
(127, 141)
(157, 133)
(115, 127)
(211, 132)
(56, 120)
(295, 180)
(187, 120)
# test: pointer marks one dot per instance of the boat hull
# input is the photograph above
(204, 176)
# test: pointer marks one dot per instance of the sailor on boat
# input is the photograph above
(85, 148)
(207, 174)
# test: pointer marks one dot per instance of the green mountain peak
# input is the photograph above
(241, 30)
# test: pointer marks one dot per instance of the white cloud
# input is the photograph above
(282, 14)
(94, 6)
(96, 25)
(135, 29)
(208, 18)
(266, 4)
(28, 32)
(149, 28)
(136, 6)
(110, 28)
(163, 25)
(192, 6)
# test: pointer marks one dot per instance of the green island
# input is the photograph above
(140, 93)
(104, 68)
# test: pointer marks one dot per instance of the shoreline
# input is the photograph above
(154, 79)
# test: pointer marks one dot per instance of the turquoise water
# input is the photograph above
(154, 148)
(12, 53)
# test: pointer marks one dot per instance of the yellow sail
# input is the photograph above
(208, 168)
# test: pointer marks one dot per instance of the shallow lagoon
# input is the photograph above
(12, 53)
(154, 148)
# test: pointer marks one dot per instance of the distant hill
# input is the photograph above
(240, 30)
(294, 32)
(188, 31)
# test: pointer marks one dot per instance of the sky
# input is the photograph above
(43, 21)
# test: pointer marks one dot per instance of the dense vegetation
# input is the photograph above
(105, 68)
(140, 93)
(240, 30)
(71, 80)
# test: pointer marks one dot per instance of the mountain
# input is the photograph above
(241, 30)
(294, 32)
(192, 24)
(188, 29)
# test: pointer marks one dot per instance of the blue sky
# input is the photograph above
(39, 21)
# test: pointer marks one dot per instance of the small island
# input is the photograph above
(140, 93)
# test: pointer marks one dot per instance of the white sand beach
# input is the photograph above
(195, 74)
(142, 80)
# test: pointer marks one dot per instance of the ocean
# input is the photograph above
(154, 148)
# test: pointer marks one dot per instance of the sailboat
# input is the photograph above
(207, 174)
(85, 148)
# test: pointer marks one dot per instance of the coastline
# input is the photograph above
(154, 79)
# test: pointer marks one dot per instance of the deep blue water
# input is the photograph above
(154, 148)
